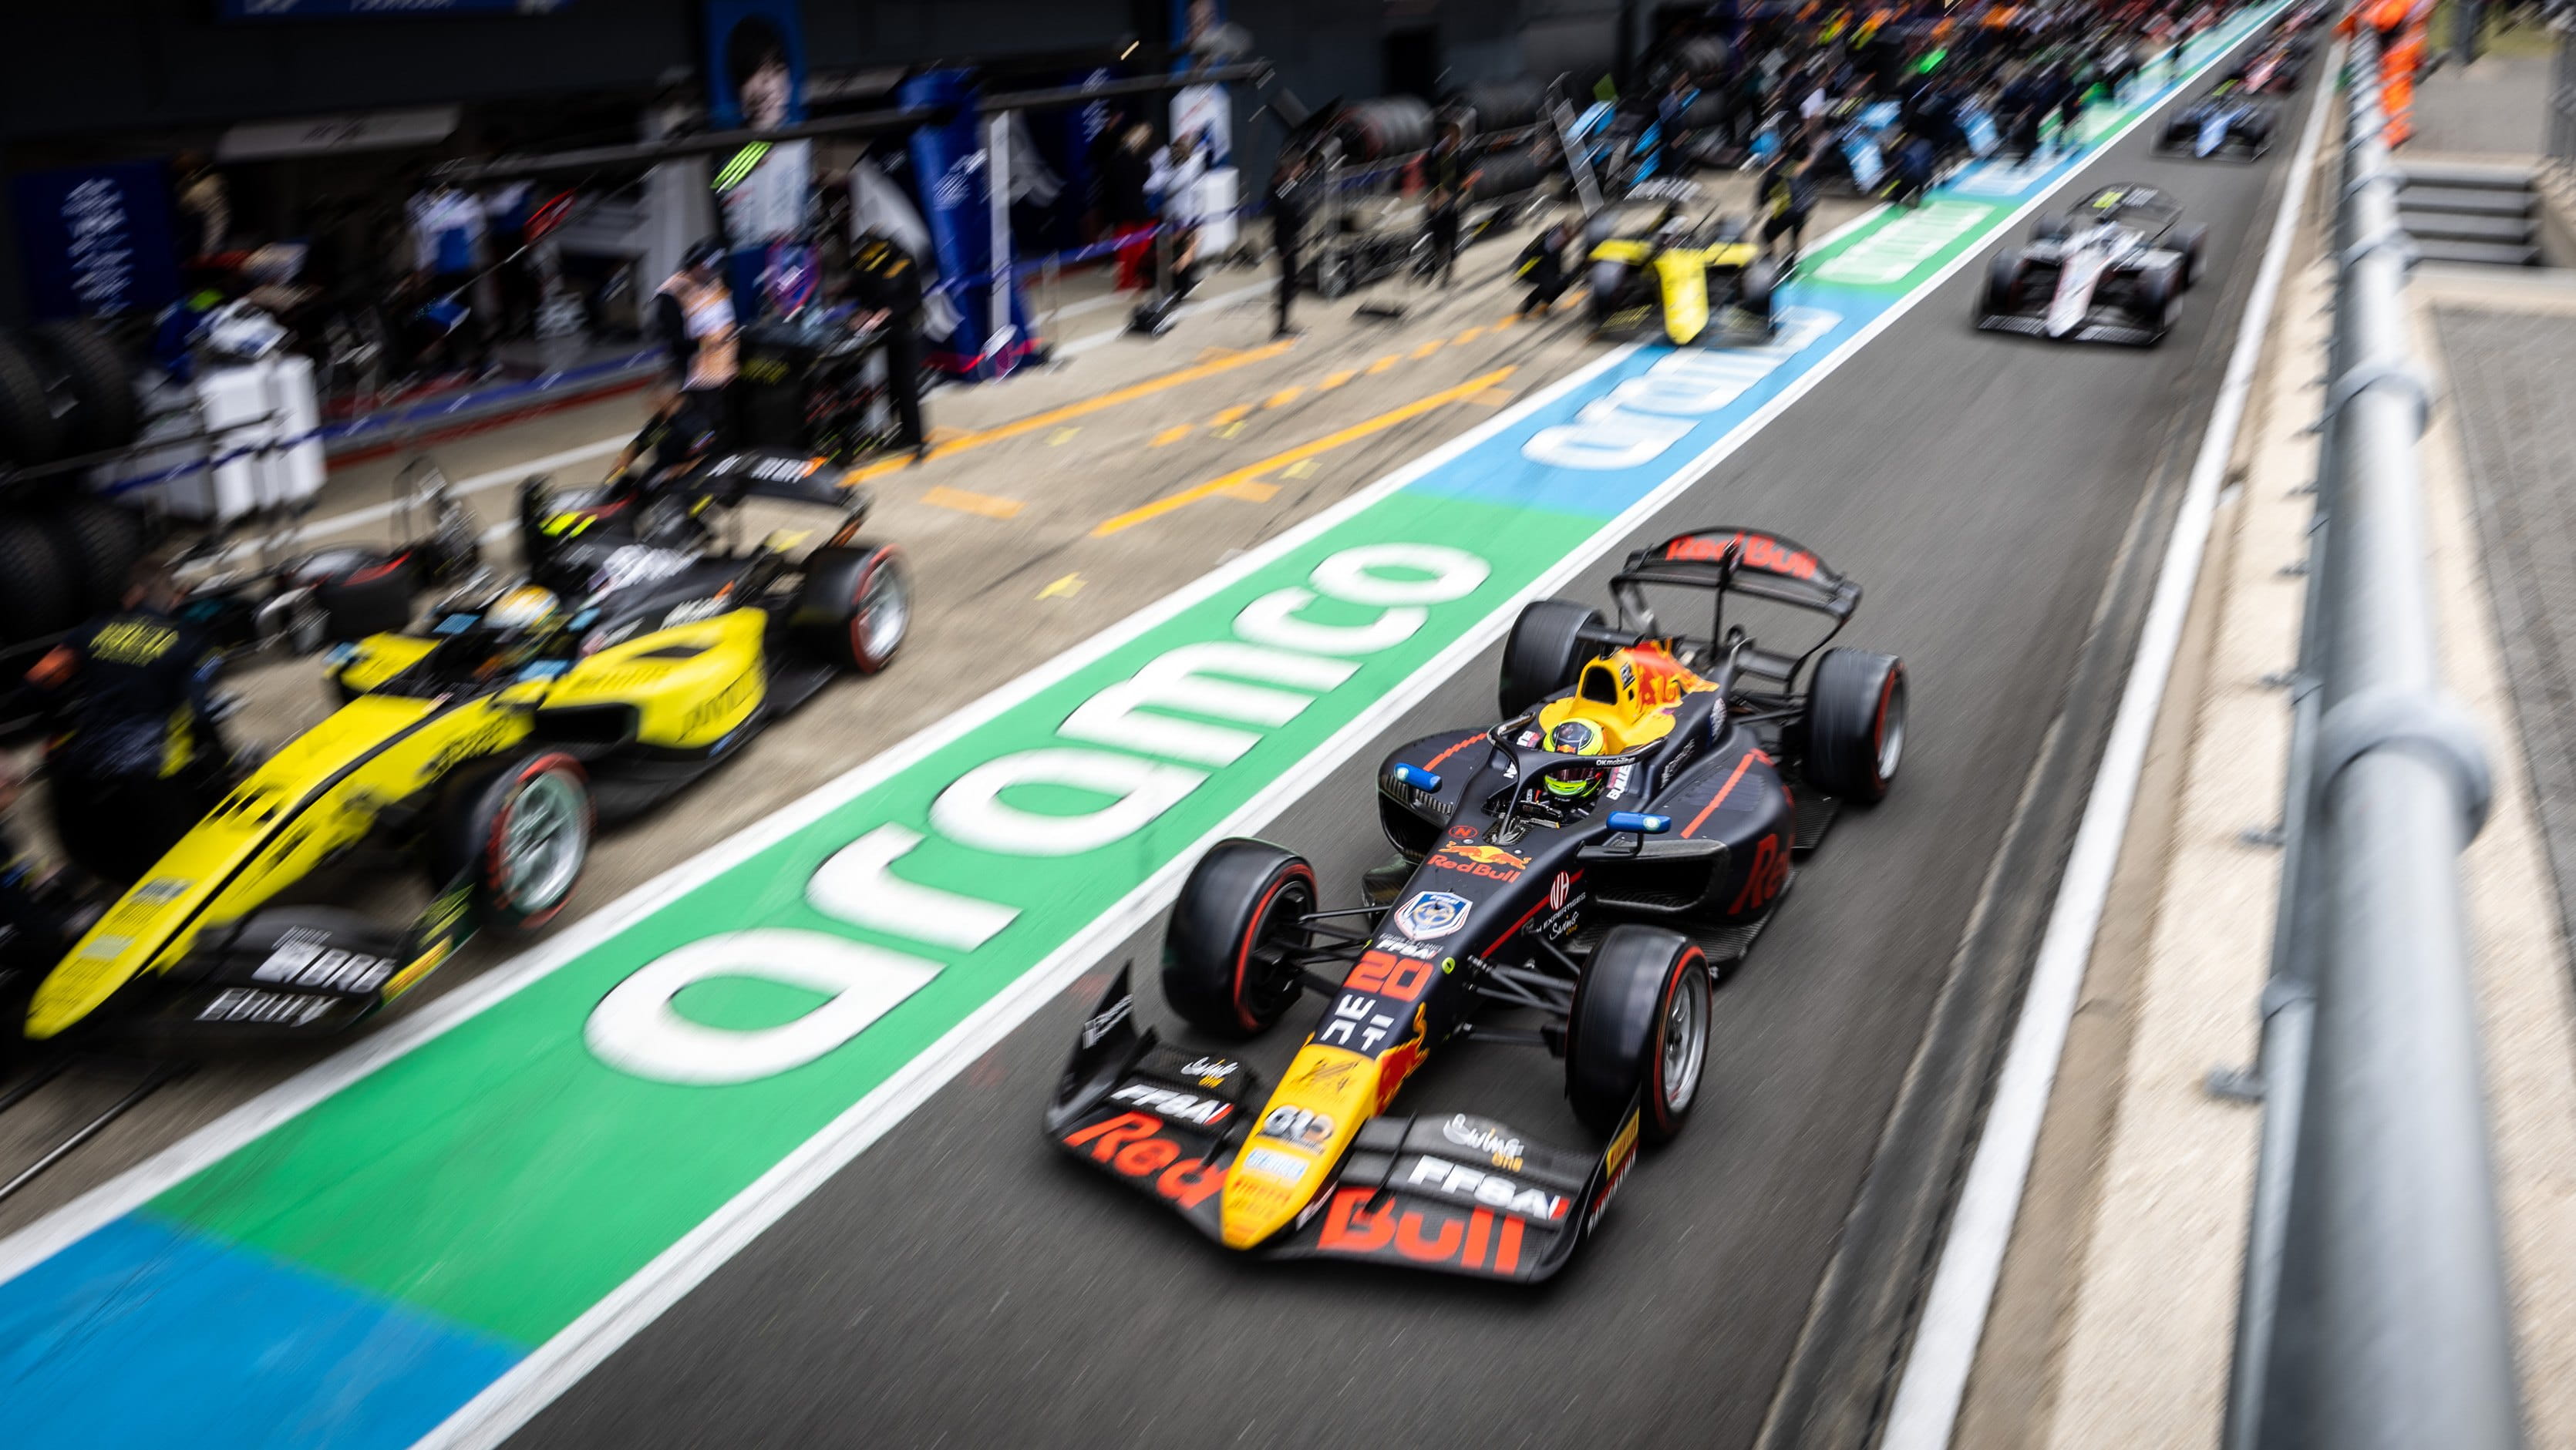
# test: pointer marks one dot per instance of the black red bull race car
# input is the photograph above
(1576, 879)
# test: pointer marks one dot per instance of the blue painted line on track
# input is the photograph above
(105, 1345)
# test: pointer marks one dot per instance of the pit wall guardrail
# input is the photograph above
(2373, 1309)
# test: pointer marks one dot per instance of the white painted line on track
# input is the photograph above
(1935, 1379)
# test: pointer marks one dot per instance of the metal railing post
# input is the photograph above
(2374, 1313)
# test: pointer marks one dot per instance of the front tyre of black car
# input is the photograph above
(1231, 964)
(1545, 648)
(1639, 1032)
(1855, 724)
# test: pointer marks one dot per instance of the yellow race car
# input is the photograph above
(484, 749)
(1702, 283)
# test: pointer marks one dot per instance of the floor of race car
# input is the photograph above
(960, 1283)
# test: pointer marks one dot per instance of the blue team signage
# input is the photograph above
(95, 240)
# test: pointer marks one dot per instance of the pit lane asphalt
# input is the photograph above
(964, 1283)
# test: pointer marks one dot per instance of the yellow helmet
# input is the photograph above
(525, 610)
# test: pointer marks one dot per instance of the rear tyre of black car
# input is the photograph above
(1638, 1032)
(1544, 650)
(1229, 965)
(518, 829)
(855, 606)
(1855, 724)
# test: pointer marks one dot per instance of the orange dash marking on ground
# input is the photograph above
(942, 448)
(1171, 435)
(1298, 454)
(972, 503)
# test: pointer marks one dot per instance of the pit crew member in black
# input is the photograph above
(133, 758)
(1542, 265)
(887, 286)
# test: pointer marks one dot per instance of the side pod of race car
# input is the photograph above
(483, 749)
(1578, 879)
(2112, 270)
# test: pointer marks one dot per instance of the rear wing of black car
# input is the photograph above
(1748, 562)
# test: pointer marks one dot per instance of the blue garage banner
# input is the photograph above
(950, 167)
(95, 240)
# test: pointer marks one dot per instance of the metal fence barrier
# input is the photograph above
(2373, 1309)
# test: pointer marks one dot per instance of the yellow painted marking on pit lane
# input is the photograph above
(1053, 416)
(1064, 588)
(1300, 453)
(1283, 397)
(1382, 364)
(1428, 348)
(1252, 492)
(1171, 435)
(1061, 437)
(944, 497)
(1212, 353)
(1302, 468)
(1470, 335)
(1335, 380)
(1230, 430)
(1493, 397)
(1235, 414)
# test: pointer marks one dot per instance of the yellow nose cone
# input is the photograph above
(1323, 1098)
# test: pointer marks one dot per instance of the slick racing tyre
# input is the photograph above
(855, 606)
(517, 830)
(1761, 279)
(2159, 299)
(29, 432)
(104, 412)
(1638, 1031)
(1544, 650)
(98, 544)
(1855, 724)
(2193, 243)
(38, 595)
(1230, 966)
(2003, 275)
(2052, 227)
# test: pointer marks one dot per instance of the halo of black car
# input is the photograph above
(2112, 269)
(1592, 866)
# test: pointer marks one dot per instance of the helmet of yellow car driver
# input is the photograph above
(1574, 737)
(525, 610)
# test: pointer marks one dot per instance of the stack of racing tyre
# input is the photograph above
(65, 391)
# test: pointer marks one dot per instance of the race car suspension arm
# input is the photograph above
(1522, 987)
